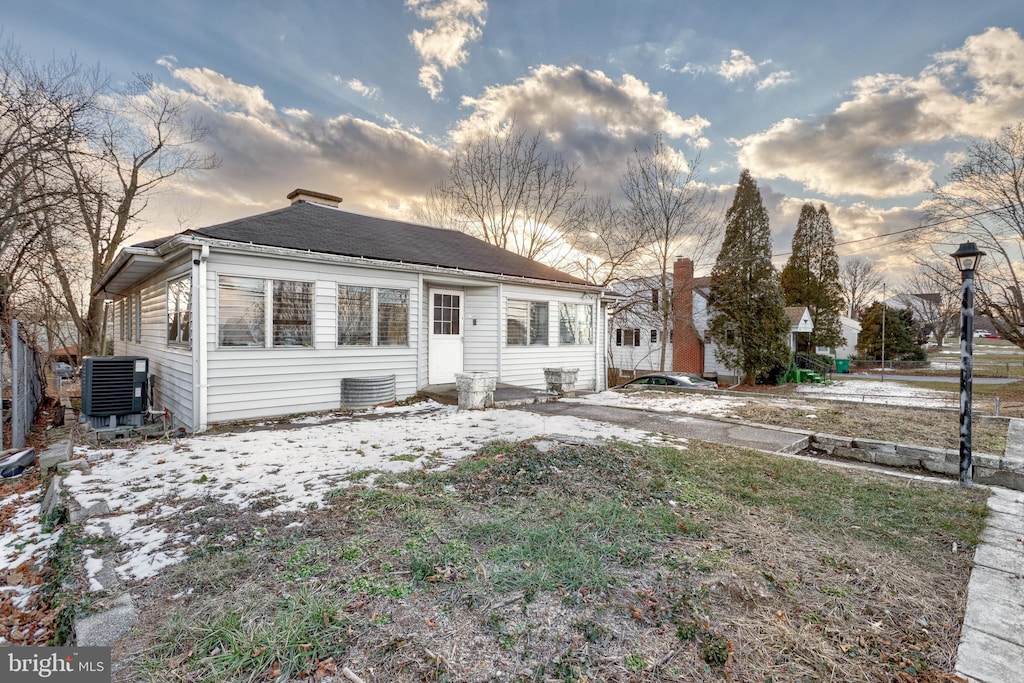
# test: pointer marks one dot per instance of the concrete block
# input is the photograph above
(52, 497)
(984, 657)
(1007, 522)
(999, 477)
(103, 628)
(832, 440)
(923, 453)
(1011, 539)
(851, 453)
(875, 445)
(106, 576)
(943, 467)
(53, 455)
(1002, 559)
(78, 512)
(79, 464)
(1006, 505)
(996, 618)
(894, 459)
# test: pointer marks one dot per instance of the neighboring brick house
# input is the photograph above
(634, 342)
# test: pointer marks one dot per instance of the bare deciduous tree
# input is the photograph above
(983, 202)
(147, 138)
(670, 206)
(933, 293)
(507, 190)
(859, 281)
(608, 249)
(43, 109)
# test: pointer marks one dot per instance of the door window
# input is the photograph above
(446, 313)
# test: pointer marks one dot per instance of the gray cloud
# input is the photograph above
(867, 145)
(454, 23)
(586, 115)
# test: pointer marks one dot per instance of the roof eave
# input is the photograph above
(362, 261)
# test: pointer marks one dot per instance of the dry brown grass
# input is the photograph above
(918, 426)
(576, 564)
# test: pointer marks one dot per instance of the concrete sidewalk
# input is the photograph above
(992, 639)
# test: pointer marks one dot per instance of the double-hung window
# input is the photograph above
(372, 316)
(130, 318)
(242, 318)
(575, 324)
(527, 323)
(293, 313)
(625, 336)
(179, 311)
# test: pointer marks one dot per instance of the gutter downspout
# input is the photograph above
(200, 349)
(600, 329)
(501, 297)
(422, 333)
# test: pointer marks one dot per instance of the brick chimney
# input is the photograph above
(687, 346)
(313, 197)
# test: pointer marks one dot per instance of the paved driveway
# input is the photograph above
(686, 426)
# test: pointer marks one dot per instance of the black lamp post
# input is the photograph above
(966, 257)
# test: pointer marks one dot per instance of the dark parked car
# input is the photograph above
(673, 379)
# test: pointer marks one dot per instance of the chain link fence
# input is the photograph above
(22, 385)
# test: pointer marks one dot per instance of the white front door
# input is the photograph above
(444, 352)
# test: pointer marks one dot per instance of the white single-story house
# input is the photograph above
(799, 322)
(265, 316)
(851, 332)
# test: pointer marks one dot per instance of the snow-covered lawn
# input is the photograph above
(285, 468)
(889, 392)
(663, 401)
(292, 467)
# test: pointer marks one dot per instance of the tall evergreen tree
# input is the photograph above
(900, 343)
(811, 276)
(748, 318)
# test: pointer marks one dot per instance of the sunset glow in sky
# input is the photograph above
(862, 106)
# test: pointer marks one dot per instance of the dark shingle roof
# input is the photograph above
(307, 226)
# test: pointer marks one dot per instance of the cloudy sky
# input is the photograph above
(860, 105)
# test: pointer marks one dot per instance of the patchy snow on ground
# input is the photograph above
(23, 542)
(662, 401)
(893, 393)
(287, 468)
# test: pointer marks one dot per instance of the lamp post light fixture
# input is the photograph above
(967, 258)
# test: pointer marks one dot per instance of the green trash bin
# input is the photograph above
(842, 365)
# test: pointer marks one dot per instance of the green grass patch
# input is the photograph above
(252, 639)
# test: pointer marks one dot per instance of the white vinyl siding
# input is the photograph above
(258, 382)
(524, 365)
(169, 364)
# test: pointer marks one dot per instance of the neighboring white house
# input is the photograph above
(264, 316)
(851, 331)
(634, 337)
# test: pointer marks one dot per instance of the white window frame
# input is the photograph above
(530, 303)
(375, 318)
(188, 313)
(575, 308)
(268, 313)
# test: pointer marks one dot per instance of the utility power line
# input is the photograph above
(898, 232)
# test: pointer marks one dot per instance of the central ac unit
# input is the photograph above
(115, 390)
